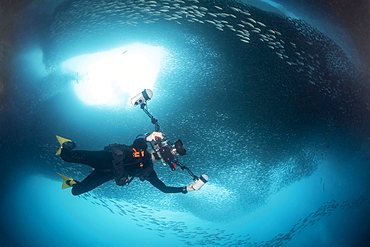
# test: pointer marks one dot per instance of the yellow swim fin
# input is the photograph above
(65, 179)
(61, 140)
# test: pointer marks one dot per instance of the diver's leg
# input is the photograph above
(96, 178)
(95, 159)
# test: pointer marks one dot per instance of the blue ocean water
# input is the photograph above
(273, 110)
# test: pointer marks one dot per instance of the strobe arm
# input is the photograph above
(153, 119)
(188, 170)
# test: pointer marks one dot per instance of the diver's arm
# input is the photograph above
(154, 156)
(156, 182)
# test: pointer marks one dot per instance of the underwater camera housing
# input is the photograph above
(168, 152)
(142, 97)
(163, 149)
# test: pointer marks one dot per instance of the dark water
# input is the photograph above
(271, 109)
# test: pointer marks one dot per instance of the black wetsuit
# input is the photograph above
(135, 162)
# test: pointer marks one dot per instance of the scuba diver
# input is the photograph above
(123, 163)
(117, 161)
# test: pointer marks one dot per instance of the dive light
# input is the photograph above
(200, 182)
(142, 97)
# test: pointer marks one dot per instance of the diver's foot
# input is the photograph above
(71, 182)
(70, 145)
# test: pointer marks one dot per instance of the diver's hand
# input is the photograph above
(190, 187)
(154, 135)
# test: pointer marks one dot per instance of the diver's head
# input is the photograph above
(140, 142)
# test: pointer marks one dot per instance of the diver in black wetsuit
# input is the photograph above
(119, 162)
